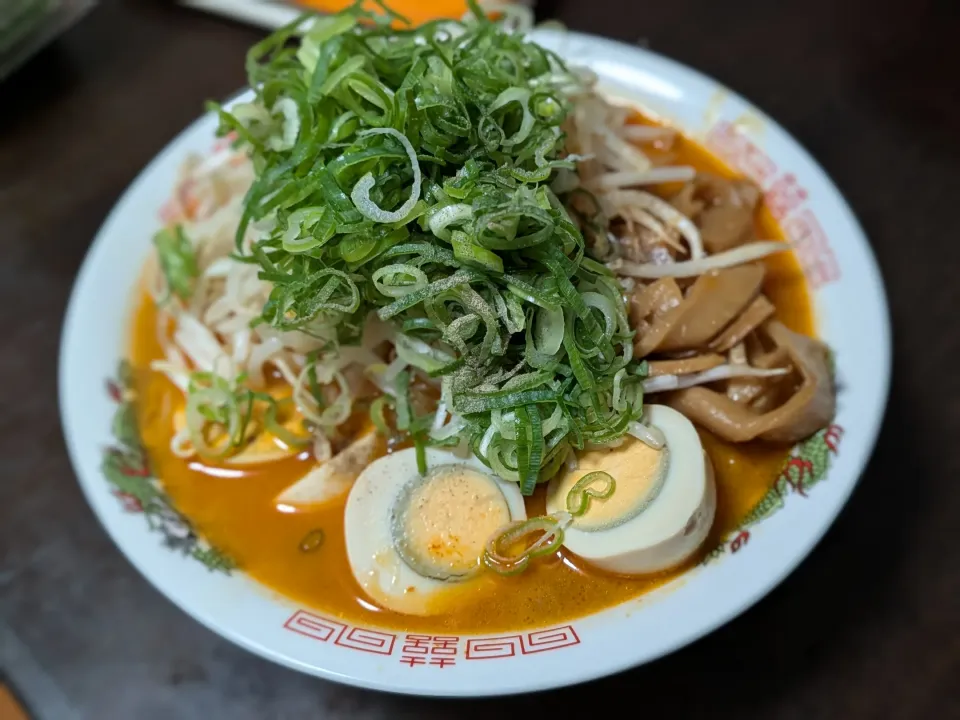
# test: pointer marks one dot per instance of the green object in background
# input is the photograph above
(20, 18)
(28, 25)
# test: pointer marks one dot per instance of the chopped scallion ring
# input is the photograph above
(275, 428)
(361, 191)
(535, 537)
(585, 490)
(312, 540)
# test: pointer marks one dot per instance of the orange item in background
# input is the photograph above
(10, 709)
(416, 11)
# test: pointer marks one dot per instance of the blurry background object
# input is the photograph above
(10, 707)
(28, 25)
(417, 11)
(273, 13)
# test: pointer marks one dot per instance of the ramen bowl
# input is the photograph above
(775, 536)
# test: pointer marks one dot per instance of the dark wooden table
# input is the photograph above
(868, 627)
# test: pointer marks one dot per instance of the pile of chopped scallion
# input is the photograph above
(407, 172)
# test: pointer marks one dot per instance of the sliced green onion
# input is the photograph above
(322, 30)
(378, 416)
(529, 434)
(399, 280)
(361, 191)
(585, 490)
(547, 538)
(298, 236)
(443, 217)
(421, 453)
(338, 77)
(177, 261)
(403, 401)
(522, 97)
(340, 409)
(474, 255)
(617, 402)
(420, 354)
(548, 329)
(291, 125)
(272, 426)
(214, 405)
(467, 403)
(408, 173)
(605, 306)
(312, 540)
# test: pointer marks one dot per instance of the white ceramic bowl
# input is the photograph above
(851, 316)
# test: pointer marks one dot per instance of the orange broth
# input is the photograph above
(234, 508)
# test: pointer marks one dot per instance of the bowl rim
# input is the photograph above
(612, 662)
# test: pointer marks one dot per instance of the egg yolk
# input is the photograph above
(447, 519)
(638, 471)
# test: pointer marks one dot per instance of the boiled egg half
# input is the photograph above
(661, 507)
(411, 538)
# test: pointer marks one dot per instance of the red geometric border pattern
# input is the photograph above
(445, 647)
(312, 626)
(371, 641)
(523, 643)
(346, 636)
(784, 197)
